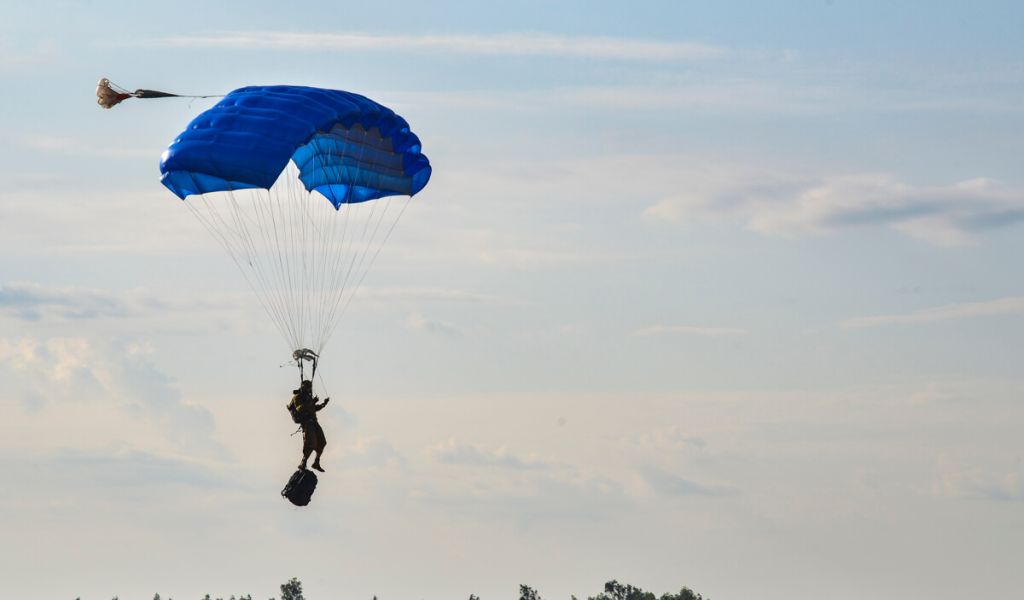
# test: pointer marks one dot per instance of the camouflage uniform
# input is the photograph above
(313, 439)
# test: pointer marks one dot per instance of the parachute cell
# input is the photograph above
(346, 146)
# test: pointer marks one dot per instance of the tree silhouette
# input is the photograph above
(292, 590)
(528, 593)
(684, 594)
(613, 590)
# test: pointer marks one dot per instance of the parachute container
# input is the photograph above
(302, 186)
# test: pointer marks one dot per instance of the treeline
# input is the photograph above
(613, 590)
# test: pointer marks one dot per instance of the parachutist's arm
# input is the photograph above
(322, 404)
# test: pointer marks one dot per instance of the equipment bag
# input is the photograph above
(299, 489)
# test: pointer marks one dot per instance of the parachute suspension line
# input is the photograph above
(220, 234)
(328, 258)
(254, 259)
(265, 220)
(358, 265)
(331, 293)
(387, 236)
(323, 386)
(265, 271)
(241, 250)
(304, 259)
(354, 256)
(366, 245)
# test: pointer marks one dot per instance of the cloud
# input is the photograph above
(125, 468)
(31, 301)
(750, 96)
(69, 361)
(373, 452)
(665, 483)
(529, 496)
(959, 481)
(35, 302)
(420, 323)
(508, 44)
(154, 395)
(690, 330)
(790, 206)
(991, 308)
(452, 452)
(116, 378)
(425, 294)
(43, 52)
(79, 147)
(668, 440)
(129, 223)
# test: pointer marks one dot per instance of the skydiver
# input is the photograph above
(304, 408)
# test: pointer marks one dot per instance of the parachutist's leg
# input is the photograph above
(321, 443)
(308, 445)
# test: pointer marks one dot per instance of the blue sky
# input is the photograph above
(725, 295)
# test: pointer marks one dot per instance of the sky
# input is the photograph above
(725, 295)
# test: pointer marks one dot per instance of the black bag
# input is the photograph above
(300, 487)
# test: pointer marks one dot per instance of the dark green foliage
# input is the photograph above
(292, 590)
(684, 594)
(613, 590)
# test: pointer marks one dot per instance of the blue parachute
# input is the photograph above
(255, 169)
(346, 146)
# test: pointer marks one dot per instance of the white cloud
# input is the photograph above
(424, 294)
(526, 497)
(989, 308)
(43, 52)
(418, 322)
(959, 480)
(31, 301)
(126, 222)
(372, 452)
(452, 452)
(793, 206)
(669, 484)
(36, 302)
(122, 468)
(79, 147)
(668, 439)
(691, 330)
(119, 380)
(514, 44)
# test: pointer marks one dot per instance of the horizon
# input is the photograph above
(726, 296)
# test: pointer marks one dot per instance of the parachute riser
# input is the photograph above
(302, 356)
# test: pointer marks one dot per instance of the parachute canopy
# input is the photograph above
(346, 146)
(255, 170)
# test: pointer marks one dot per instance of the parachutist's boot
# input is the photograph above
(316, 465)
(302, 466)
